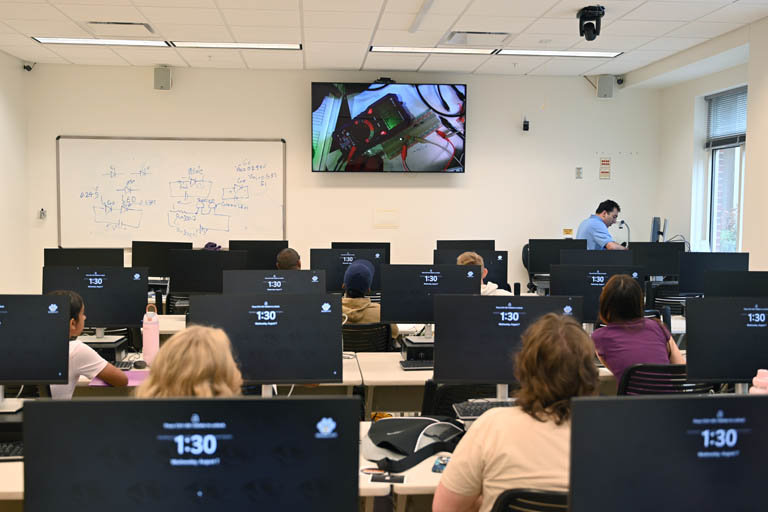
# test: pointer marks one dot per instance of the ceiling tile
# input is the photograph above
(332, 35)
(210, 33)
(554, 26)
(401, 21)
(63, 28)
(182, 16)
(37, 53)
(267, 34)
(151, 56)
(16, 39)
(92, 56)
(542, 42)
(738, 13)
(26, 11)
(343, 5)
(454, 63)
(204, 58)
(5, 29)
(629, 62)
(102, 13)
(509, 8)
(614, 9)
(90, 2)
(198, 4)
(438, 6)
(405, 38)
(263, 59)
(613, 43)
(257, 18)
(322, 19)
(267, 5)
(704, 29)
(673, 43)
(673, 11)
(567, 66)
(510, 65)
(394, 62)
(640, 28)
(493, 24)
(334, 55)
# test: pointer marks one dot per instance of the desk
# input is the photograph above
(678, 324)
(171, 324)
(368, 489)
(389, 387)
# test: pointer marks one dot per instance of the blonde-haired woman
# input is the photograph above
(194, 362)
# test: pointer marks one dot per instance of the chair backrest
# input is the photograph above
(366, 337)
(531, 500)
(658, 379)
(439, 398)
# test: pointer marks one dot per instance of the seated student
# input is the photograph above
(628, 338)
(288, 259)
(527, 446)
(83, 360)
(194, 362)
(489, 288)
(356, 308)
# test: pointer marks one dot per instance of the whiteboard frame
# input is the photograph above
(199, 139)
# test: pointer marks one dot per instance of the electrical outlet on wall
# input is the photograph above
(579, 173)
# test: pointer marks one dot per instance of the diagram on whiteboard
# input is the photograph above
(118, 206)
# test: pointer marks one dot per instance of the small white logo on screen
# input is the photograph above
(325, 308)
(634, 274)
(471, 273)
(378, 255)
(195, 418)
(53, 308)
(326, 429)
(315, 279)
(136, 276)
(499, 257)
(567, 310)
(720, 414)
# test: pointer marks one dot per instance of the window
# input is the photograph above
(726, 140)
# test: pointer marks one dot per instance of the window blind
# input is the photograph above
(727, 118)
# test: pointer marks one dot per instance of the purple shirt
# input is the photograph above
(628, 344)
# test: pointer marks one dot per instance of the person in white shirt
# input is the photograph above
(486, 288)
(83, 360)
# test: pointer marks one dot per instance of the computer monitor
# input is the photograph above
(587, 281)
(545, 252)
(83, 257)
(286, 339)
(735, 284)
(336, 261)
(695, 265)
(466, 245)
(154, 255)
(262, 254)
(192, 454)
(726, 338)
(34, 339)
(587, 257)
(384, 247)
(408, 291)
(477, 337)
(658, 259)
(668, 453)
(113, 297)
(200, 271)
(274, 281)
(495, 262)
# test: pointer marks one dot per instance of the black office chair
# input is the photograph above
(531, 500)
(659, 379)
(366, 337)
(439, 398)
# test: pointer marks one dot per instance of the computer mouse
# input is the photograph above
(140, 365)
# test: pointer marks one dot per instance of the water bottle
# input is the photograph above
(150, 334)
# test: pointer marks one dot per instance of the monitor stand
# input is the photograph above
(9, 405)
(589, 328)
(427, 337)
(268, 390)
(99, 337)
(741, 388)
(502, 393)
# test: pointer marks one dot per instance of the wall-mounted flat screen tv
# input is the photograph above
(388, 127)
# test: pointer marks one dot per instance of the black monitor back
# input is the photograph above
(277, 339)
(384, 247)
(735, 283)
(545, 252)
(587, 257)
(262, 254)
(695, 265)
(200, 271)
(112, 296)
(466, 245)
(726, 338)
(154, 255)
(495, 262)
(274, 281)
(336, 261)
(83, 257)
(408, 291)
(658, 258)
(477, 337)
(587, 281)
(675, 453)
(192, 454)
(34, 339)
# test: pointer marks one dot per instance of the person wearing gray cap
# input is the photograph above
(355, 306)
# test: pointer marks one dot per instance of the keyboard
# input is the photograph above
(474, 408)
(11, 450)
(124, 365)
(418, 365)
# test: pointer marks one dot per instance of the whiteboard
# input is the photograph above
(116, 190)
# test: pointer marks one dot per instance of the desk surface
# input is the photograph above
(368, 488)
(170, 324)
(383, 369)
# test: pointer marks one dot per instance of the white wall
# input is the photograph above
(517, 185)
(14, 210)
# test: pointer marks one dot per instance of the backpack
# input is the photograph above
(398, 444)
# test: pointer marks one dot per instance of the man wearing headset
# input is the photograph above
(594, 229)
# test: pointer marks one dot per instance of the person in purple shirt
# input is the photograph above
(629, 338)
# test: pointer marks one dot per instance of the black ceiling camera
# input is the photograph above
(589, 21)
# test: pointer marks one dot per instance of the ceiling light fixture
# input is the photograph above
(554, 53)
(236, 46)
(99, 42)
(415, 49)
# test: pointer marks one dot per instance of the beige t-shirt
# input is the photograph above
(508, 449)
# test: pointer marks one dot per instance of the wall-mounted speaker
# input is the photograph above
(163, 78)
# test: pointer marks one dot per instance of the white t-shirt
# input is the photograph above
(83, 360)
(490, 288)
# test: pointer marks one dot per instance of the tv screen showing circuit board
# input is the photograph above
(387, 127)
